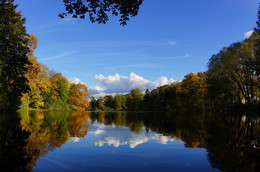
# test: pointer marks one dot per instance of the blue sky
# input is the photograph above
(164, 42)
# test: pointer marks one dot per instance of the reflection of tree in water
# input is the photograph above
(189, 128)
(26, 138)
(78, 122)
(12, 142)
(228, 138)
(232, 144)
(129, 119)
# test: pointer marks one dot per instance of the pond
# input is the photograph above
(128, 141)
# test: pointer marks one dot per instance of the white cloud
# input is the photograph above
(75, 81)
(95, 90)
(123, 84)
(161, 81)
(172, 42)
(98, 131)
(248, 34)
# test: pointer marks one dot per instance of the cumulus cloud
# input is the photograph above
(95, 90)
(248, 34)
(75, 81)
(123, 84)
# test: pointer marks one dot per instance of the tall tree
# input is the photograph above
(236, 64)
(33, 97)
(119, 102)
(13, 56)
(98, 10)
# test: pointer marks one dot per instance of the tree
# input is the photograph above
(13, 56)
(60, 91)
(78, 97)
(193, 90)
(98, 9)
(147, 100)
(33, 97)
(93, 103)
(238, 65)
(119, 102)
(166, 97)
(134, 99)
(100, 104)
(109, 102)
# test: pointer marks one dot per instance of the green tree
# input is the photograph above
(147, 100)
(13, 56)
(119, 102)
(166, 97)
(93, 103)
(60, 91)
(193, 90)
(236, 64)
(109, 102)
(100, 104)
(134, 99)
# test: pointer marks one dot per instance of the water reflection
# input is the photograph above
(114, 136)
(13, 156)
(232, 141)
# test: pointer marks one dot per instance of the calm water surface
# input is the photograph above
(123, 141)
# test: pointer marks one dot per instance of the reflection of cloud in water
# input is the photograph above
(124, 136)
(97, 132)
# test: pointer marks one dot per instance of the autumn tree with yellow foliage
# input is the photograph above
(78, 97)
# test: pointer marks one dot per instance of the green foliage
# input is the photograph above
(237, 65)
(59, 105)
(119, 102)
(100, 104)
(193, 90)
(134, 99)
(13, 56)
(109, 102)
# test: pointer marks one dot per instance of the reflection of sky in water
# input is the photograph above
(113, 148)
(118, 136)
